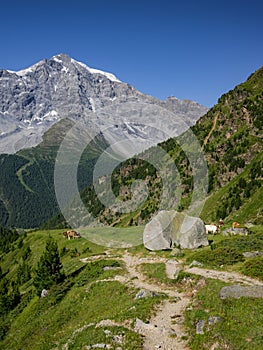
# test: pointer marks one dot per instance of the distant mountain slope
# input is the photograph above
(34, 99)
(27, 194)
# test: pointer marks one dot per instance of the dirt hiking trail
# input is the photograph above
(165, 331)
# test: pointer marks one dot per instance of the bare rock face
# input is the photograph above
(169, 228)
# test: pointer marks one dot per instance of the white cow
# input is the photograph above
(213, 229)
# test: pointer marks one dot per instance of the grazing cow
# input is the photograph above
(221, 222)
(71, 234)
(213, 229)
(235, 225)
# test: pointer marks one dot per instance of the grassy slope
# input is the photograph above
(81, 301)
(71, 311)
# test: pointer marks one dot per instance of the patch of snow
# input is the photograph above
(91, 100)
(30, 69)
(64, 69)
(55, 58)
(27, 121)
(108, 75)
(49, 115)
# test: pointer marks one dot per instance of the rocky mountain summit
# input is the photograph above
(34, 99)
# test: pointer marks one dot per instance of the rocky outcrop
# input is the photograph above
(238, 291)
(241, 231)
(171, 228)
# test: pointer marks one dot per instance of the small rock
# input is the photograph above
(101, 346)
(143, 293)
(44, 293)
(140, 325)
(177, 271)
(176, 252)
(118, 339)
(109, 268)
(200, 327)
(195, 263)
(107, 332)
(214, 319)
(252, 254)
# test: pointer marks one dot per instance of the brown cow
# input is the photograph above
(235, 225)
(221, 222)
(71, 234)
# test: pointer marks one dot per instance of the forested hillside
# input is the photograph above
(27, 195)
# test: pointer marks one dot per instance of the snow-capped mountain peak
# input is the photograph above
(35, 98)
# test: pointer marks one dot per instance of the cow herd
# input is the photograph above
(215, 228)
(210, 229)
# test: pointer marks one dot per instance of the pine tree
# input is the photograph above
(49, 268)
(4, 300)
(23, 273)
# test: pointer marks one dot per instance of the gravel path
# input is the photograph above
(165, 330)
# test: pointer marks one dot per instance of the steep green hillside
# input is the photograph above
(234, 152)
(230, 135)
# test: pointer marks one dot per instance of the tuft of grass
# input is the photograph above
(253, 268)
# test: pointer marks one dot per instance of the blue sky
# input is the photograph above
(189, 49)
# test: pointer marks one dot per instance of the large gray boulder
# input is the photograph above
(169, 228)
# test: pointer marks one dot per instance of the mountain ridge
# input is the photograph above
(35, 98)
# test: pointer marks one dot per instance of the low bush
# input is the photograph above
(253, 268)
